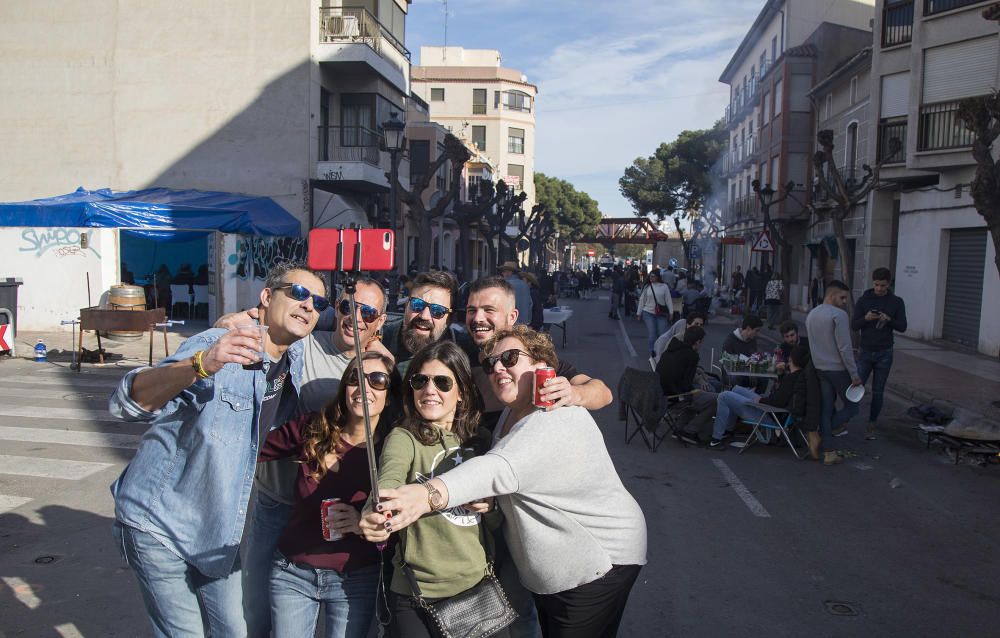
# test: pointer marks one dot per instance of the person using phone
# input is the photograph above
(444, 553)
(338, 574)
(181, 503)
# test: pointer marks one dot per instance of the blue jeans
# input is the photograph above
(270, 517)
(526, 624)
(832, 385)
(179, 599)
(655, 326)
(348, 599)
(877, 363)
(733, 402)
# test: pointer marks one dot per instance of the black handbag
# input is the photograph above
(477, 612)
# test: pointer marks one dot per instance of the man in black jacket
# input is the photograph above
(876, 316)
(677, 369)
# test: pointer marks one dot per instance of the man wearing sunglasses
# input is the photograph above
(181, 504)
(425, 318)
(326, 355)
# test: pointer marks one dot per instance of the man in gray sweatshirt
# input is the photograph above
(829, 330)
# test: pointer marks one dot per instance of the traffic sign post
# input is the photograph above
(694, 252)
(763, 243)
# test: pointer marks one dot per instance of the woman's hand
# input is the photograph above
(373, 527)
(482, 506)
(343, 518)
(407, 504)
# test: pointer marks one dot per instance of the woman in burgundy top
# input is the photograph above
(309, 570)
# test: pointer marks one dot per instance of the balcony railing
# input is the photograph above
(339, 24)
(940, 6)
(897, 23)
(349, 144)
(742, 208)
(852, 176)
(940, 128)
(892, 129)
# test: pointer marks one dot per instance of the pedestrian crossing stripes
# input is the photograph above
(49, 468)
(70, 437)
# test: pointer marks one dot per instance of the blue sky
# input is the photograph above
(615, 77)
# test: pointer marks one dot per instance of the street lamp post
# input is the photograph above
(395, 142)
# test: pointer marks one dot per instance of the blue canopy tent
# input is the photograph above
(159, 214)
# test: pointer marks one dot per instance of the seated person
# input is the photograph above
(676, 369)
(741, 402)
(743, 340)
(790, 338)
(690, 297)
(676, 331)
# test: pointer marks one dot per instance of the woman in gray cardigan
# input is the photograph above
(577, 536)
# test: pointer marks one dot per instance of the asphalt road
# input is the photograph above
(895, 542)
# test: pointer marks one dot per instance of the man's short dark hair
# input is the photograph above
(437, 279)
(751, 321)
(491, 281)
(787, 326)
(882, 274)
(800, 356)
(837, 284)
(693, 335)
(696, 315)
(276, 274)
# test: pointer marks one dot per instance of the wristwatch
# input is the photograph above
(434, 498)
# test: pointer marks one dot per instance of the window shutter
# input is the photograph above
(895, 95)
(960, 70)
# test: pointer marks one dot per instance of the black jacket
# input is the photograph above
(734, 345)
(677, 367)
(784, 391)
(873, 337)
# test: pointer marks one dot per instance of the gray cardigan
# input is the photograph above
(567, 516)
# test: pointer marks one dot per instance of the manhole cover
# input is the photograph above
(841, 608)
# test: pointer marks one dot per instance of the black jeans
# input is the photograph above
(593, 610)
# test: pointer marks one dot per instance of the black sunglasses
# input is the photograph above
(368, 314)
(508, 358)
(377, 380)
(441, 382)
(417, 305)
(298, 292)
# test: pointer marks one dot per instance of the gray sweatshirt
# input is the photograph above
(829, 330)
(567, 516)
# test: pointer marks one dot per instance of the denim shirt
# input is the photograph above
(190, 481)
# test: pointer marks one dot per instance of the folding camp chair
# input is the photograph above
(646, 410)
(773, 421)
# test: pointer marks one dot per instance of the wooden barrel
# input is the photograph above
(126, 297)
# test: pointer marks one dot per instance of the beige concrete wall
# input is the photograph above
(128, 94)
(458, 56)
(802, 18)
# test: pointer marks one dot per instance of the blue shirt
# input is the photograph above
(191, 478)
(522, 298)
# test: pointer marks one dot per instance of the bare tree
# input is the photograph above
(842, 197)
(981, 115)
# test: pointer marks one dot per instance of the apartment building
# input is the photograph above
(770, 120)
(928, 55)
(842, 104)
(275, 99)
(479, 100)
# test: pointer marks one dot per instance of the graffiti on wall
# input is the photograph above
(255, 256)
(61, 242)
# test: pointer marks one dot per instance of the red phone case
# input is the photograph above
(377, 248)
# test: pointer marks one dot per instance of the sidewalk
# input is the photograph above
(964, 385)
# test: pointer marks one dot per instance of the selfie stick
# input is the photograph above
(350, 288)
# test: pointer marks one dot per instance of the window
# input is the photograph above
(479, 137)
(775, 175)
(854, 90)
(766, 110)
(515, 140)
(777, 98)
(829, 106)
(517, 101)
(774, 49)
(852, 149)
(732, 192)
(420, 157)
(437, 95)
(515, 175)
(479, 101)
(763, 62)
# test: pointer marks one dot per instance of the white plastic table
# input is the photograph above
(557, 317)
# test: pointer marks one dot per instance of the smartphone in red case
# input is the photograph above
(337, 249)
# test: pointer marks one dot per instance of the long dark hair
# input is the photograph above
(469, 409)
(322, 434)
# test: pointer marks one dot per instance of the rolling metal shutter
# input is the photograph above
(963, 69)
(895, 95)
(963, 297)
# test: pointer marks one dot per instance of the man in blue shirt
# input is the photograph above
(181, 504)
(522, 292)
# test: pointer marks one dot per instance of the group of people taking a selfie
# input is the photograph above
(248, 508)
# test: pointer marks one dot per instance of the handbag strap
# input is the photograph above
(652, 290)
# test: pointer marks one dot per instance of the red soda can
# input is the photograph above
(541, 376)
(324, 507)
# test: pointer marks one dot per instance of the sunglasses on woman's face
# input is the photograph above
(508, 358)
(298, 292)
(368, 314)
(417, 305)
(441, 382)
(376, 380)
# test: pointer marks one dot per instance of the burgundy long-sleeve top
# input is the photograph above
(302, 541)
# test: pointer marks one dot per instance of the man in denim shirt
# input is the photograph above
(181, 504)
